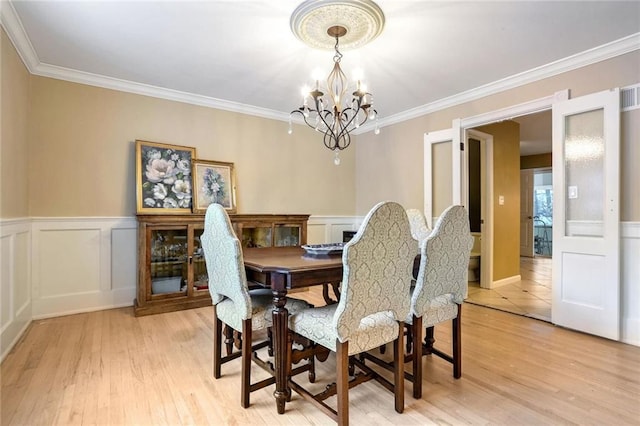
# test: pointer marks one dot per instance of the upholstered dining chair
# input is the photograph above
(374, 301)
(233, 303)
(440, 289)
(419, 228)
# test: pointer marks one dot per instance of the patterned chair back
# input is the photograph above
(225, 265)
(419, 228)
(377, 269)
(444, 261)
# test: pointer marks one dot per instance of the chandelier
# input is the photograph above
(336, 115)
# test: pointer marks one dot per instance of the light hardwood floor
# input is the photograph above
(531, 296)
(111, 368)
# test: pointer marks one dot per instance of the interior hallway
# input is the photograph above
(531, 296)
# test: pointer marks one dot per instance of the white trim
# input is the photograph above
(331, 227)
(97, 80)
(486, 258)
(80, 222)
(99, 292)
(18, 36)
(18, 312)
(16, 32)
(508, 113)
(588, 57)
(630, 230)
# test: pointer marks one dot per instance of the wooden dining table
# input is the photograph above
(282, 269)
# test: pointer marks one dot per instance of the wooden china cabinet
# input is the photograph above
(172, 273)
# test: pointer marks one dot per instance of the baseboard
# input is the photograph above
(631, 331)
(505, 281)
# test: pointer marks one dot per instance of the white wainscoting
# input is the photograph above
(630, 279)
(82, 264)
(60, 266)
(328, 229)
(15, 281)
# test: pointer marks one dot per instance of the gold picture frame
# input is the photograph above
(163, 178)
(213, 182)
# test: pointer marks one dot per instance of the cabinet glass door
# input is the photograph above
(287, 235)
(168, 264)
(200, 277)
(256, 236)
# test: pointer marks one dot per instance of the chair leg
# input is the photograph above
(417, 357)
(228, 339)
(342, 382)
(270, 337)
(428, 341)
(457, 344)
(398, 362)
(246, 362)
(217, 345)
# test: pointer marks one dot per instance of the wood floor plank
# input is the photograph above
(111, 368)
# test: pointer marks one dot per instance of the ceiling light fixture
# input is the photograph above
(323, 24)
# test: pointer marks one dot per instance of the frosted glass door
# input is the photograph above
(584, 173)
(586, 270)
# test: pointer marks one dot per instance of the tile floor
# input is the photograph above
(531, 296)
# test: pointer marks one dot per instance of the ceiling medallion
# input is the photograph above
(363, 20)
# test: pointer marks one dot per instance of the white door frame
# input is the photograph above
(486, 242)
(527, 248)
(465, 124)
(457, 134)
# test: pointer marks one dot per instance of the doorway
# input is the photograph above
(526, 288)
(543, 212)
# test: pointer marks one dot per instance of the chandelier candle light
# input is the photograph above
(337, 116)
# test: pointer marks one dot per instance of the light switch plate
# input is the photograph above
(501, 200)
(573, 192)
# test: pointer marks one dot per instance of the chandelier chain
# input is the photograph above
(338, 56)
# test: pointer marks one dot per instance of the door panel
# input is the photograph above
(442, 171)
(586, 270)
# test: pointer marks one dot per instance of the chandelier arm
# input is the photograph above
(343, 135)
(303, 116)
(332, 142)
(329, 131)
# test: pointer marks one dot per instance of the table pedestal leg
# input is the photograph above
(280, 338)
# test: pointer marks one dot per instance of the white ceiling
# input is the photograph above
(241, 55)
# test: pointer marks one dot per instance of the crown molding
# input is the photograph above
(75, 76)
(597, 54)
(12, 25)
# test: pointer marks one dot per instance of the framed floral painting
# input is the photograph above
(163, 178)
(214, 182)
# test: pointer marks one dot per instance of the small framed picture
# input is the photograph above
(214, 182)
(163, 178)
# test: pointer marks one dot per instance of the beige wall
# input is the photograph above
(14, 107)
(390, 165)
(506, 183)
(82, 153)
(535, 161)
